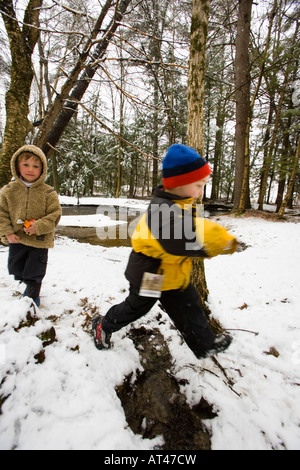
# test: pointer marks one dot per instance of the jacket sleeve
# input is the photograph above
(215, 239)
(48, 223)
(180, 233)
(6, 227)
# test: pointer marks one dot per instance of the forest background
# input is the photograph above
(132, 58)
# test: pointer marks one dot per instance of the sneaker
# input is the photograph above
(221, 343)
(101, 339)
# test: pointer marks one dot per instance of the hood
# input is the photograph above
(36, 151)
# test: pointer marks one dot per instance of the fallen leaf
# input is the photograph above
(243, 306)
(272, 352)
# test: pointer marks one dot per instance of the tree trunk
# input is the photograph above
(244, 202)
(219, 135)
(284, 161)
(196, 79)
(268, 161)
(291, 182)
(55, 173)
(266, 142)
(121, 126)
(242, 84)
(196, 84)
(155, 177)
(220, 121)
(22, 43)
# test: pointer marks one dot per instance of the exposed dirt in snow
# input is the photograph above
(153, 402)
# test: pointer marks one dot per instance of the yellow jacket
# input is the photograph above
(168, 236)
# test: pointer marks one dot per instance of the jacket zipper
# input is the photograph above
(27, 203)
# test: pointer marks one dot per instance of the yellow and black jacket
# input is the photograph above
(168, 236)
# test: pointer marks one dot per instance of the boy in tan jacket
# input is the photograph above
(29, 212)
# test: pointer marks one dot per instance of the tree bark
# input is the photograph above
(22, 42)
(242, 83)
(196, 85)
(196, 79)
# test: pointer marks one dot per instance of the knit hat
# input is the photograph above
(183, 165)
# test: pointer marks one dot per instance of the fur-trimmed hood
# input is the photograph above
(35, 151)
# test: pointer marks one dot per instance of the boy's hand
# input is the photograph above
(13, 239)
(30, 230)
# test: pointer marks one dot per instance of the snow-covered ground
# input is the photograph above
(69, 400)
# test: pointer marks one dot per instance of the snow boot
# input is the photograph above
(33, 292)
(101, 339)
(221, 343)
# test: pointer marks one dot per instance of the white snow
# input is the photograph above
(103, 201)
(95, 220)
(69, 401)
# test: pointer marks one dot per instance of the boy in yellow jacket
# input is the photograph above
(166, 239)
(29, 213)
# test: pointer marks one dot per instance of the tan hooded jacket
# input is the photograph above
(38, 202)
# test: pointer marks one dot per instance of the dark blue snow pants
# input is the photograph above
(182, 306)
(27, 264)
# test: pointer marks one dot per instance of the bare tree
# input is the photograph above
(78, 81)
(22, 40)
(65, 103)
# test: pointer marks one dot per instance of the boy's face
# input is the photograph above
(193, 190)
(30, 168)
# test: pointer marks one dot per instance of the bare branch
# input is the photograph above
(71, 10)
(114, 133)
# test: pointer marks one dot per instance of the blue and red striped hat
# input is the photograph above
(182, 165)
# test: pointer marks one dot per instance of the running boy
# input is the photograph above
(29, 213)
(165, 240)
